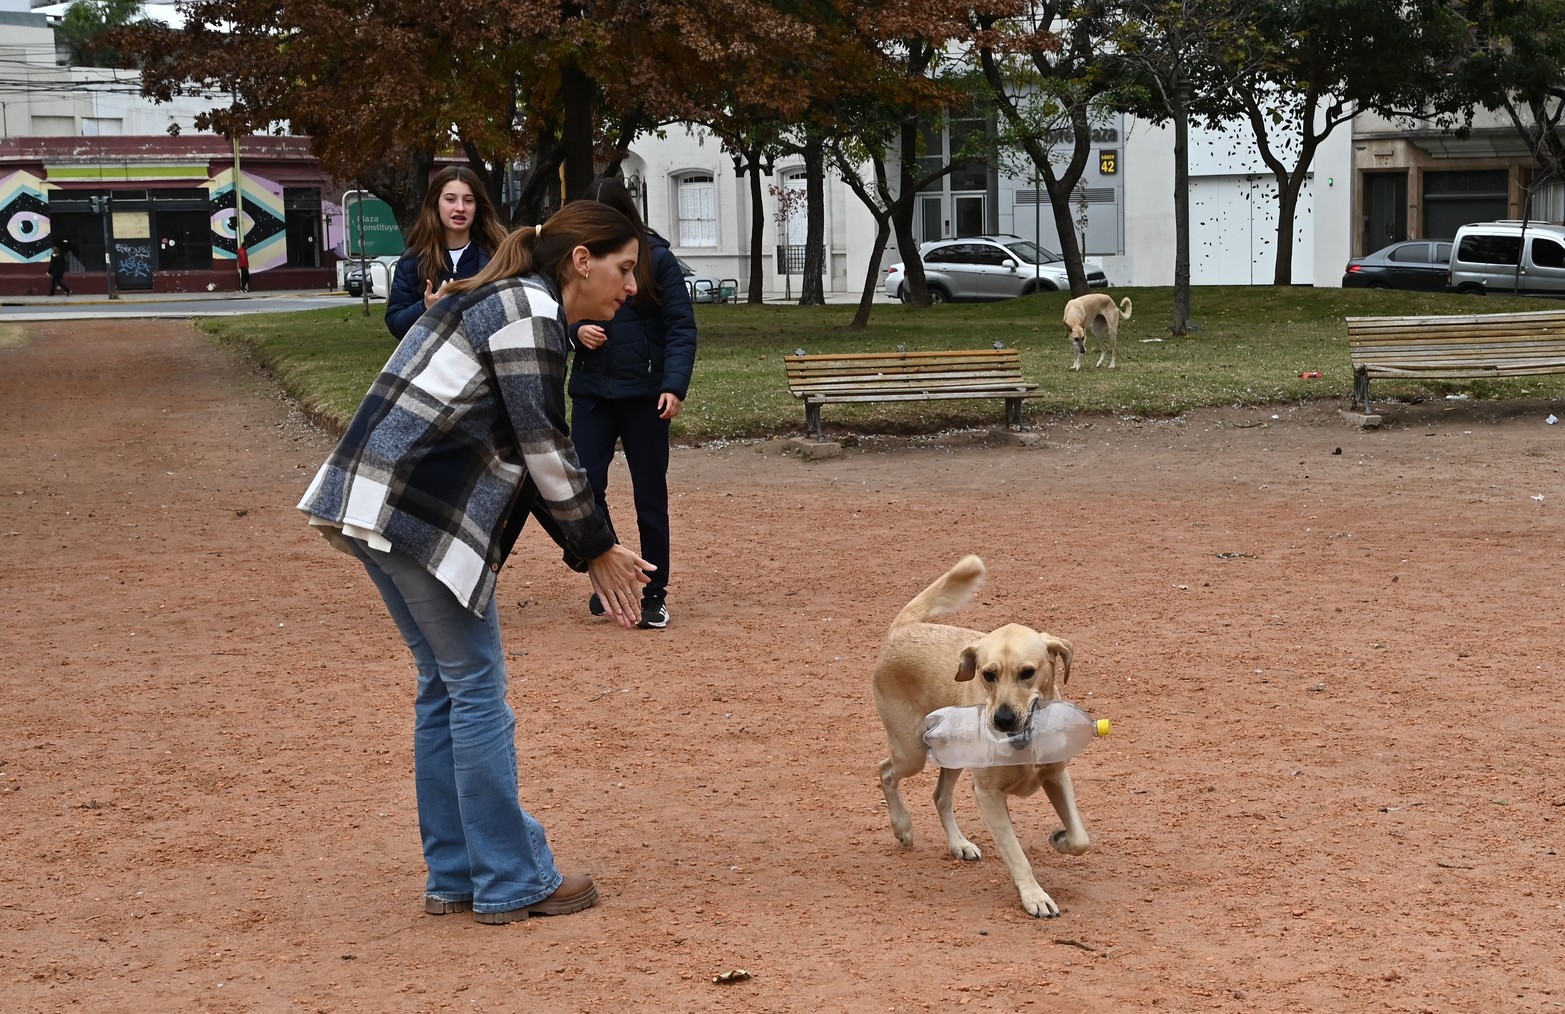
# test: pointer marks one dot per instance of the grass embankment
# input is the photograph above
(1251, 346)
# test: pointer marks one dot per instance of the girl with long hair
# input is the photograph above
(461, 438)
(456, 233)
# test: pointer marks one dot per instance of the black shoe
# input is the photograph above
(595, 605)
(654, 615)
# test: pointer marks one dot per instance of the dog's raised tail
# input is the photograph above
(950, 592)
(1124, 308)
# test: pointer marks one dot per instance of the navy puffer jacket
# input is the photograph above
(405, 305)
(651, 347)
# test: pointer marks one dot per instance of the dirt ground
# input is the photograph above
(1336, 780)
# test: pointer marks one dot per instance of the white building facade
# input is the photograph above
(692, 196)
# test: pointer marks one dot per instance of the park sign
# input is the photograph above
(369, 222)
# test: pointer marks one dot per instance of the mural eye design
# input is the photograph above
(259, 222)
(24, 228)
(223, 226)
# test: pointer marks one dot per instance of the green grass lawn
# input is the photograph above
(1251, 346)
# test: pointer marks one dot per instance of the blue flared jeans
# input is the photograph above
(479, 844)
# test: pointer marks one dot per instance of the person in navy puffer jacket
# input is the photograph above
(629, 378)
(456, 231)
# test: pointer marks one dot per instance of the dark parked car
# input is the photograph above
(1411, 264)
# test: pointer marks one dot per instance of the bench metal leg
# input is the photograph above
(1013, 414)
(1361, 389)
(812, 420)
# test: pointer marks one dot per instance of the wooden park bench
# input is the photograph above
(1454, 348)
(907, 376)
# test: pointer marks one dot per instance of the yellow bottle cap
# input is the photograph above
(1103, 727)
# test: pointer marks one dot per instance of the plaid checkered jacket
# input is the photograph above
(463, 435)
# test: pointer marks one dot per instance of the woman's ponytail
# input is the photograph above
(514, 256)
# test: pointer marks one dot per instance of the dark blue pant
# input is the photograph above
(634, 422)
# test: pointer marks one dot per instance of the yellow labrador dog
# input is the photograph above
(1011, 670)
(1097, 312)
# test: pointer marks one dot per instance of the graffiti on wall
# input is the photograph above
(24, 219)
(262, 204)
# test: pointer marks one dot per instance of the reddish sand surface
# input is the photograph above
(1336, 780)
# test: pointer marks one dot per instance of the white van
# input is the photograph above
(1487, 257)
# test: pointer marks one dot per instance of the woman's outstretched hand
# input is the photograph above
(617, 577)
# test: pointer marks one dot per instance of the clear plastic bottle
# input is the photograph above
(964, 738)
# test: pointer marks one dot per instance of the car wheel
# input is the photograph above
(938, 295)
(1044, 286)
(1377, 285)
(1472, 290)
(902, 293)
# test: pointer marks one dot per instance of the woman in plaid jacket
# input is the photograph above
(461, 438)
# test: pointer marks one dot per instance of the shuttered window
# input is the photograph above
(697, 211)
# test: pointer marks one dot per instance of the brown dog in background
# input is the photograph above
(1011, 670)
(1097, 312)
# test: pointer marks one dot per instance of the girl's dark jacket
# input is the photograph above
(405, 305)
(651, 347)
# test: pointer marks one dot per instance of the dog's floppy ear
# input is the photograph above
(967, 664)
(1061, 649)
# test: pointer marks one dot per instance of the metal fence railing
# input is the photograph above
(790, 259)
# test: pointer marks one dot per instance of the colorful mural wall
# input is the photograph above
(262, 204)
(24, 219)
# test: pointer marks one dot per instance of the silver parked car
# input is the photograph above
(1490, 257)
(703, 286)
(990, 267)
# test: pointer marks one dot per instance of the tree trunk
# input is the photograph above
(1181, 119)
(872, 276)
(757, 229)
(1288, 187)
(812, 290)
(541, 177)
(914, 284)
(577, 90)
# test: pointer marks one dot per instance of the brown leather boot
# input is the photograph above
(576, 892)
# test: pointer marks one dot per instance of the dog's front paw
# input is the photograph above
(964, 850)
(1038, 904)
(1063, 842)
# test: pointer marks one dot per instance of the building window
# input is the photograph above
(697, 211)
(54, 126)
(182, 225)
(184, 240)
(1453, 199)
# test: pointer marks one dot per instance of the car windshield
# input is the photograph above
(685, 269)
(1032, 253)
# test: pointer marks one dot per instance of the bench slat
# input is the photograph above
(921, 396)
(1461, 320)
(1449, 372)
(892, 380)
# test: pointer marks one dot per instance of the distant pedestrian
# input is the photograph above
(244, 269)
(59, 259)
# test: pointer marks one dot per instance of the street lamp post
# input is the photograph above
(100, 204)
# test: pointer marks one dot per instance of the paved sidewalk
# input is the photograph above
(89, 298)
